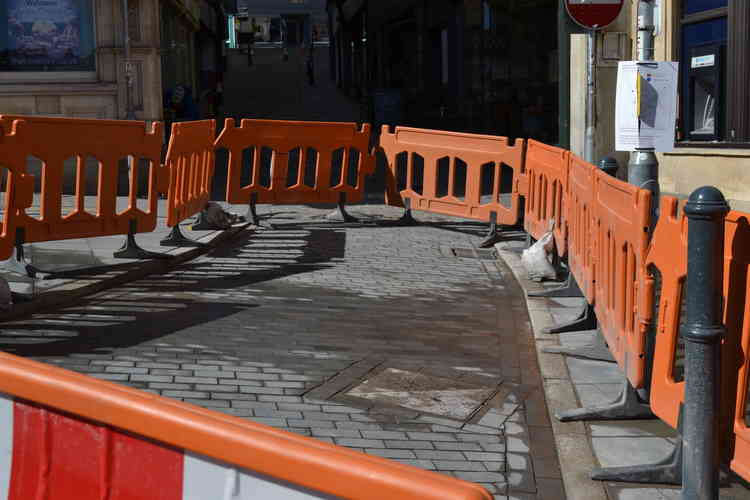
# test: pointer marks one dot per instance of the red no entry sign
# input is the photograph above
(594, 14)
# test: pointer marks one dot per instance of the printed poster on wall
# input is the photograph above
(44, 32)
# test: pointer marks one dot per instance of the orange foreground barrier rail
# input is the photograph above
(289, 162)
(190, 161)
(580, 224)
(547, 172)
(444, 172)
(17, 186)
(624, 295)
(84, 438)
(53, 141)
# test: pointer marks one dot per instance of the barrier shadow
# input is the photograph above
(250, 260)
(88, 327)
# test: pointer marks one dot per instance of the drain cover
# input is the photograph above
(469, 253)
(424, 393)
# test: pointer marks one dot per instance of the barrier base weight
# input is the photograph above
(252, 214)
(18, 259)
(569, 289)
(665, 471)
(627, 407)
(177, 238)
(596, 350)
(131, 250)
(586, 320)
(342, 215)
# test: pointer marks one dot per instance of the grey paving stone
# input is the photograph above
(484, 456)
(431, 436)
(422, 464)
(331, 432)
(462, 465)
(360, 443)
(479, 477)
(440, 455)
(390, 453)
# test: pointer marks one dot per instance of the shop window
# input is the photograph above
(46, 36)
(713, 105)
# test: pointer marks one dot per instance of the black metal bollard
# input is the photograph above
(609, 165)
(702, 333)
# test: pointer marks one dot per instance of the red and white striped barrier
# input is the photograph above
(49, 455)
(66, 436)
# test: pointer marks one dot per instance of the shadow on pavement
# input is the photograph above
(129, 320)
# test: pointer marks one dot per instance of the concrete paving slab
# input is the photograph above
(621, 451)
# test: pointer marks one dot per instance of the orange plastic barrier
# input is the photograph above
(579, 224)
(335, 144)
(85, 438)
(53, 140)
(442, 154)
(17, 186)
(668, 255)
(547, 171)
(624, 295)
(735, 354)
(190, 160)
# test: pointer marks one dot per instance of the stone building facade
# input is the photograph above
(717, 95)
(68, 57)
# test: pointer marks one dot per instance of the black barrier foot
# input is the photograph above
(342, 215)
(569, 289)
(665, 471)
(176, 238)
(493, 234)
(131, 250)
(596, 350)
(346, 216)
(627, 407)
(406, 218)
(19, 259)
(586, 320)
(252, 214)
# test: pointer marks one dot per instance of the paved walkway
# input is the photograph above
(375, 338)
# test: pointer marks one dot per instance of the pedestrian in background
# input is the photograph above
(310, 68)
(251, 42)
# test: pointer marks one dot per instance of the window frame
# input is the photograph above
(59, 76)
(736, 96)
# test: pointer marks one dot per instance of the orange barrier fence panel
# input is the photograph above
(624, 295)
(116, 149)
(287, 162)
(667, 259)
(85, 438)
(547, 172)
(190, 160)
(452, 173)
(735, 354)
(667, 255)
(579, 224)
(16, 187)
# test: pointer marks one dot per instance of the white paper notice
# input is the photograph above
(646, 106)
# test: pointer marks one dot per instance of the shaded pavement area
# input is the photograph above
(403, 342)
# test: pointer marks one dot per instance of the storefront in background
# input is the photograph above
(65, 58)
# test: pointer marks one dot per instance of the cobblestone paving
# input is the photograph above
(277, 328)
